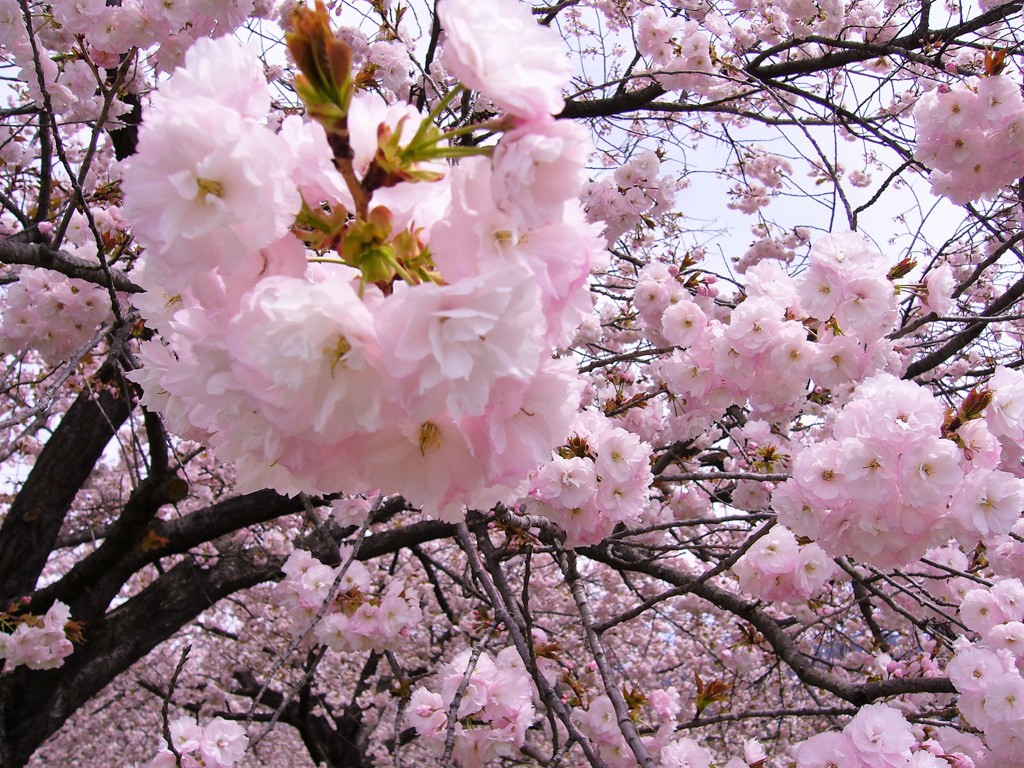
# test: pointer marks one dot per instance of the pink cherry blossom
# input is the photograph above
(502, 52)
(538, 168)
(223, 743)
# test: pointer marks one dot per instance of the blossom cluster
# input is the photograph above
(971, 137)
(781, 246)
(658, 708)
(636, 190)
(417, 357)
(359, 617)
(601, 477)
(814, 17)
(1001, 434)
(99, 34)
(845, 286)
(827, 325)
(987, 672)
(878, 736)
(218, 744)
(37, 642)
(878, 489)
(763, 173)
(524, 79)
(759, 354)
(679, 49)
(657, 713)
(777, 568)
(112, 30)
(51, 313)
(494, 711)
(895, 479)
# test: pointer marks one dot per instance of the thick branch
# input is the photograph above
(130, 631)
(616, 105)
(39, 255)
(30, 529)
(843, 53)
(334, 743)
(89, 587)
(998, 306)
(781, 642)
(125, 635)
(852, 52)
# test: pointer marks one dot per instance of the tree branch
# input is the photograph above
(40, 255)
(33, 522)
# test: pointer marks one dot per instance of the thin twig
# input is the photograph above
(503, 609)
(566, 559)
(301, 638)
(402, 703)
(683, 589)
(167, 704)
(763, 477)
(453, 708)
(42, 405)
(58, 144)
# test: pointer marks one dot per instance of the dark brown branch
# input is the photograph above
(33, 522)
(113, 644)
(130, 631)
(996, 307)
(337, 742)
(39, 255)
(852, 52)
(94, 581)
(616, 105)
(782, 643)
(849, 52)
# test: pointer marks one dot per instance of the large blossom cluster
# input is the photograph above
(827, 325)
(879, 488)
(894, 480)
(759, 354)
(814, 17)
(494, 711)
(36, 642)
(846, 289)
(524, 79)
(987, 672)
(211, 184)
(111, 30)
(599, 478)
(437, 383)
(971, 137)
(359, 617)
(636, 190)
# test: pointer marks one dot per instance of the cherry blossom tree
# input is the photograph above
(607, 383)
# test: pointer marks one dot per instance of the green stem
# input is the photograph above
(324, 260)
(430, 119)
